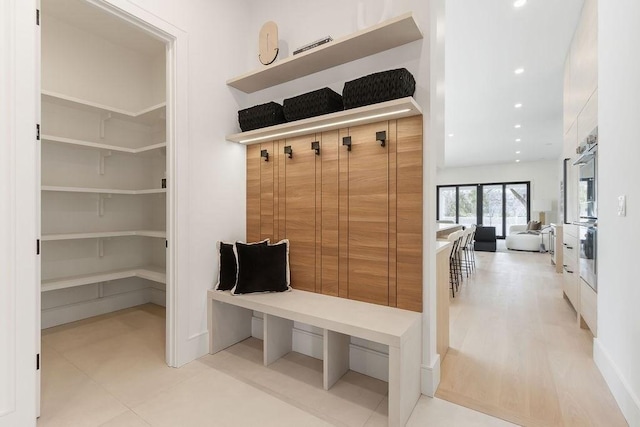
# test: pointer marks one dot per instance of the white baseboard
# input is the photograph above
(622, 392)
(70, 313)
(364, 360)
(430, 377)
(158, 297)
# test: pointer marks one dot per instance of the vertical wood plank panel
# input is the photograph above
(330, 214)
(253, 193)
(368, 215)
(282, 189)
(392, 143)
(300, 214)
(318, 194)
(409, 213)
(267, 170)
(343, 212)
(276, 193)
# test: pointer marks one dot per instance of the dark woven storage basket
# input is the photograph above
(378, 87)
(316, 103)
(261, 116)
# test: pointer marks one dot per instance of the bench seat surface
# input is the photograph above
(386, 325)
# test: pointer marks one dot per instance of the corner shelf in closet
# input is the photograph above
(148, 115)
(102, 190)
(155, 274)
(378, 38)
(394, 109)
(99, 146)
(103, 234)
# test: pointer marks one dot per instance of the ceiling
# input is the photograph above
(486, 41)
(88, 17)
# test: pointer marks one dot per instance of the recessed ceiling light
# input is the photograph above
(517, 152)
(517, 126)
(518, 140)
(518, 105)
(519, 3)
(450, 135)
(519, 70)
(518, 161)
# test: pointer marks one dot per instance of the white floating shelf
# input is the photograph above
(395, 109)
(147, 115)
(100, 190)
(99, 146)
(386, 35)
(156, 274)
(103, 234)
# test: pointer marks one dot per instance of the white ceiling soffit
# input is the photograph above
(486, 41)
(85, 16)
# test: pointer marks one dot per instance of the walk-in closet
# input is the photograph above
(103, 164)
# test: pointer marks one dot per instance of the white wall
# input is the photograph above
(617, 347)
(544, 177)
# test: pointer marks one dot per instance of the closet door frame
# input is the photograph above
(177, 333)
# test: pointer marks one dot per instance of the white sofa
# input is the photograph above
(526, 242)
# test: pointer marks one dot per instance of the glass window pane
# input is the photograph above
(447, 204)
(516, 200)
(468, 205)
(492, 207)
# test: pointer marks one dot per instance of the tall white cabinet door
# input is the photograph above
(19, 330)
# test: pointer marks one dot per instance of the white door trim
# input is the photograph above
(177, 165)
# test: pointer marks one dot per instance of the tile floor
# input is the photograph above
(110, 371)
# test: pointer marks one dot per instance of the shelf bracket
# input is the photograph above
(101, 199)
(103, 121)
(103, 157)
(100, 248)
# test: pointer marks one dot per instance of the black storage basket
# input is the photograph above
(316, 103)
(261, 116)
(378, 87)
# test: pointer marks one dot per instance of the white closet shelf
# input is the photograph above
(103, 234)
(153, 273)
(378, 38)
(99, 146)
(101, 190)
(395, 109)
(147, 115)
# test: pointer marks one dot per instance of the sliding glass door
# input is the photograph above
(498, 205)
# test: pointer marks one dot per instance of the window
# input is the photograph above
(498, 205)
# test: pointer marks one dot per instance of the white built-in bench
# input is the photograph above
(230, 322)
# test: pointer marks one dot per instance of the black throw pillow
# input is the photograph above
(262, 268)
(228, 268)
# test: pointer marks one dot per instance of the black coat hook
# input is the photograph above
(347, 141)
(289, 151)
(315, 145)
(265, 154)
(381, 137)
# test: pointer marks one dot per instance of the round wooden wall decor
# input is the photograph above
(268, 43)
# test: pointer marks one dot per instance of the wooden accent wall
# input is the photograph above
(353, 218)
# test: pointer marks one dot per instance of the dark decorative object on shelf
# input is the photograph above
(378, 87)
(261, 116)
(316, 103)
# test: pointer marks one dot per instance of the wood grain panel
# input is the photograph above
(300, 213)
(330, 218)
(282, 191)
(253, 193)
(267, 170)
(409, 213)
(368, 216)
(318, 234)
(392, 144)
(343, 219)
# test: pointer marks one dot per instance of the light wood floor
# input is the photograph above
(516, 351)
